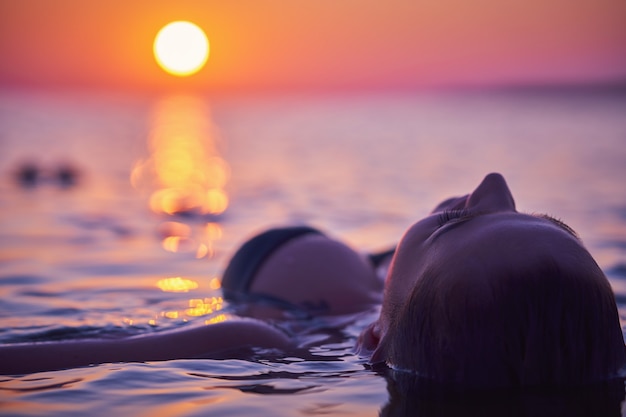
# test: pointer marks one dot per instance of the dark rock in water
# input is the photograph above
(28, 174)
(66, 175)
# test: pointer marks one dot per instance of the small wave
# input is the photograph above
(49, 334)
(43, 384)
(21, 280)
(617, 271)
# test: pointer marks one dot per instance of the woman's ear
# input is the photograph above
(368, 344)
(379, 355)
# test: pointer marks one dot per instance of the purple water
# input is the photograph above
(98, 252)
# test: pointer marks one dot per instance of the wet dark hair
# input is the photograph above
(245, 263)
(538, 325)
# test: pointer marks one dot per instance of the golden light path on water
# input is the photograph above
(196, 307)
(184, 174)
(184, 170)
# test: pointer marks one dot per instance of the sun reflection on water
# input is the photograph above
(176, 284)
(183, 179)
(216, 319)
(184, 172)
(201, 307)
(196, 307)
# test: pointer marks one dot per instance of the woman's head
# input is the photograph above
(482, 295)
(302, 267)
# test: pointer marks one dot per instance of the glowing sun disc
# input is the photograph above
(181, 48)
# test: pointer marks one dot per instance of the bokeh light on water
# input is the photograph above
(184, 172)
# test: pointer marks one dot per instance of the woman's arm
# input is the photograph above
(198, 342)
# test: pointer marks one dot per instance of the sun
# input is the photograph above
(181, 48)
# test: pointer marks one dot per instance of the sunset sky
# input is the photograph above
(283, 44)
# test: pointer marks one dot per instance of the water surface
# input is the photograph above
(163, 189)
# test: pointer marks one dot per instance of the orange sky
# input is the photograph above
(316, 44)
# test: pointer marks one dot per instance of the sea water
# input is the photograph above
(119, 213)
